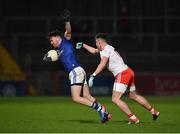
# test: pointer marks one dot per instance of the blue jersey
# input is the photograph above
(68, 57)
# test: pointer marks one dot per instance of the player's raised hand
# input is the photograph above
(90, 81)
(79, 45)
(66, 15)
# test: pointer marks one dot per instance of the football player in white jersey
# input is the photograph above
(124, 76)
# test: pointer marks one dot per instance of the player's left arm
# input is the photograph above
(101, 66)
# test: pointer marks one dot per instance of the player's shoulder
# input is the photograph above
(108, 48)
(66, 41)
(106, 51)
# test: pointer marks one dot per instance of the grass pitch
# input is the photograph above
(60, 114)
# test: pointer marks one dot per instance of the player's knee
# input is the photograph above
(132, 96)
(115, 100)
(75, 99)
(86, 95)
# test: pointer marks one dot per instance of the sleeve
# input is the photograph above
(105, 53)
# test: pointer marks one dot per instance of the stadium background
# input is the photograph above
(145, 32)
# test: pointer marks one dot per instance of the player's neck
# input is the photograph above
(103, 46)
(59, 43)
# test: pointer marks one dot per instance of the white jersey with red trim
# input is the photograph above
(116, 63)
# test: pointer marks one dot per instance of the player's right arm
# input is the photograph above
(66, 17)
(90, 49)
(67, 33)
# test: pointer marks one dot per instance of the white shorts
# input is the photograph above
(124, 80)
(119, 87)
(77, 76)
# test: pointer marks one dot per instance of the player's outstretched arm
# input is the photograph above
(90, 49)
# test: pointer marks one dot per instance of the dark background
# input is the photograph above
(145, 32)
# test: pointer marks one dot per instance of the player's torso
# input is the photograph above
(116, 63)
(68, 57)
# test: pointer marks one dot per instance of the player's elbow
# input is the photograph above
(103, 64)
(95, 51)
(67, 35)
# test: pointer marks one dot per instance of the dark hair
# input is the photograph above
(102, 36)
(54, 33)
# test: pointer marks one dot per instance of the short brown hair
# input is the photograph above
(54, 33)
(102, 36)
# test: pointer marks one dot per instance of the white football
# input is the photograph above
(53, 55)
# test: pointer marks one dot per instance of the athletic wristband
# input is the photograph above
(94, 74)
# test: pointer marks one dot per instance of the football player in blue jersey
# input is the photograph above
(77, 75)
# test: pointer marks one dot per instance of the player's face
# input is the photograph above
(55, 41)
(98, 44)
